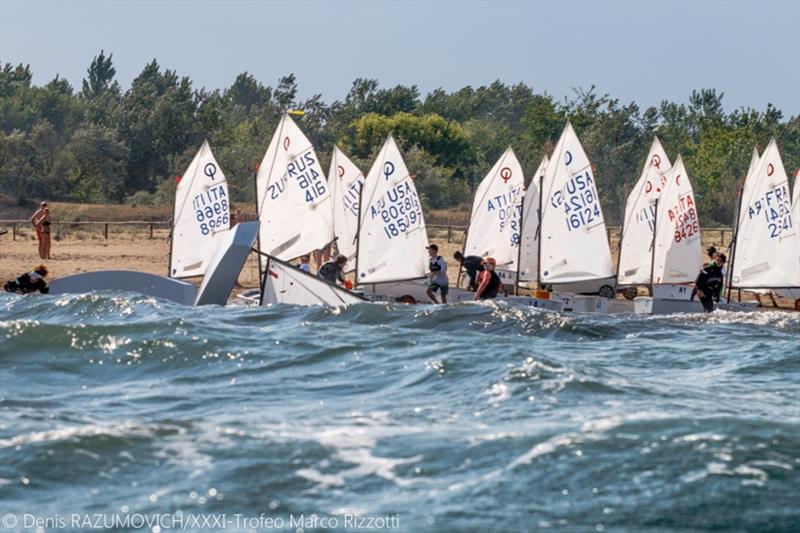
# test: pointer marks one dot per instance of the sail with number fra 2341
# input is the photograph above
(678, 254)
(573, 230)
(286, 284)
(529, 239)
(294, 200)
(346, 181)
(202, 212)
(636, 247)
(392, 236)
(766, 237)
(494, 225)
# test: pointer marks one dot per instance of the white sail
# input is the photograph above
(753, 163)
(294, 200)
(794, 255)
(529, 240)
(287, 284)
(392, 237)
(638, 228)
(766, 236)
(494, 222)
(678, 255)
(202, 211)
(346, 181)
(574, 240)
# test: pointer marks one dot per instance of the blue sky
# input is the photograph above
(642, 51)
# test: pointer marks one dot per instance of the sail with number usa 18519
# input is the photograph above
(391, 237)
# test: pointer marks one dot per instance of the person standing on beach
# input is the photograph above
(35, 217)
(45, 223)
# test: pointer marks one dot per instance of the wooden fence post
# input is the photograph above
(151, 230)
(105, 230)
(14, 231)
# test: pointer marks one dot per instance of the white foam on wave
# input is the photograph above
(352, 444)
(121, 429)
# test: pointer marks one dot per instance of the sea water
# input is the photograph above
(411, 418)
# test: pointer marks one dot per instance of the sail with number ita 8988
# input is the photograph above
(574, 243)
(392, 237)
(201, 213)
(294, 200)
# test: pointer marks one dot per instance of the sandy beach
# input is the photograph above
(87, 251)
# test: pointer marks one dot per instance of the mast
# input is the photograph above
(171, 231)
(619, 244)
(358, 228)
(732, 245)
(653, 247)
(519, 242)
(466, 236)
(258, 218)
(539, 233)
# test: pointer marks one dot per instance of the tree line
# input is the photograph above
(101, 143)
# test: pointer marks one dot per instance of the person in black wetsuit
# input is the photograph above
(709, 283)
(489, 282)
(29, 282)
(472, 265)
(333, 271)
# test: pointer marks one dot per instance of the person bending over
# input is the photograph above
(438, 278)
(472, 265)
(29, 282)
(709, 283)
(333, 271)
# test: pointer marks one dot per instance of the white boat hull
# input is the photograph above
(174, 290)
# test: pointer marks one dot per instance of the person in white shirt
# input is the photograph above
(438, 280)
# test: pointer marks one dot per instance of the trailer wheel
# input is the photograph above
(407, 299)
(630, 293)
(797, 304)
(606, 291)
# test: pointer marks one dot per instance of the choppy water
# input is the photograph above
(465, 417)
